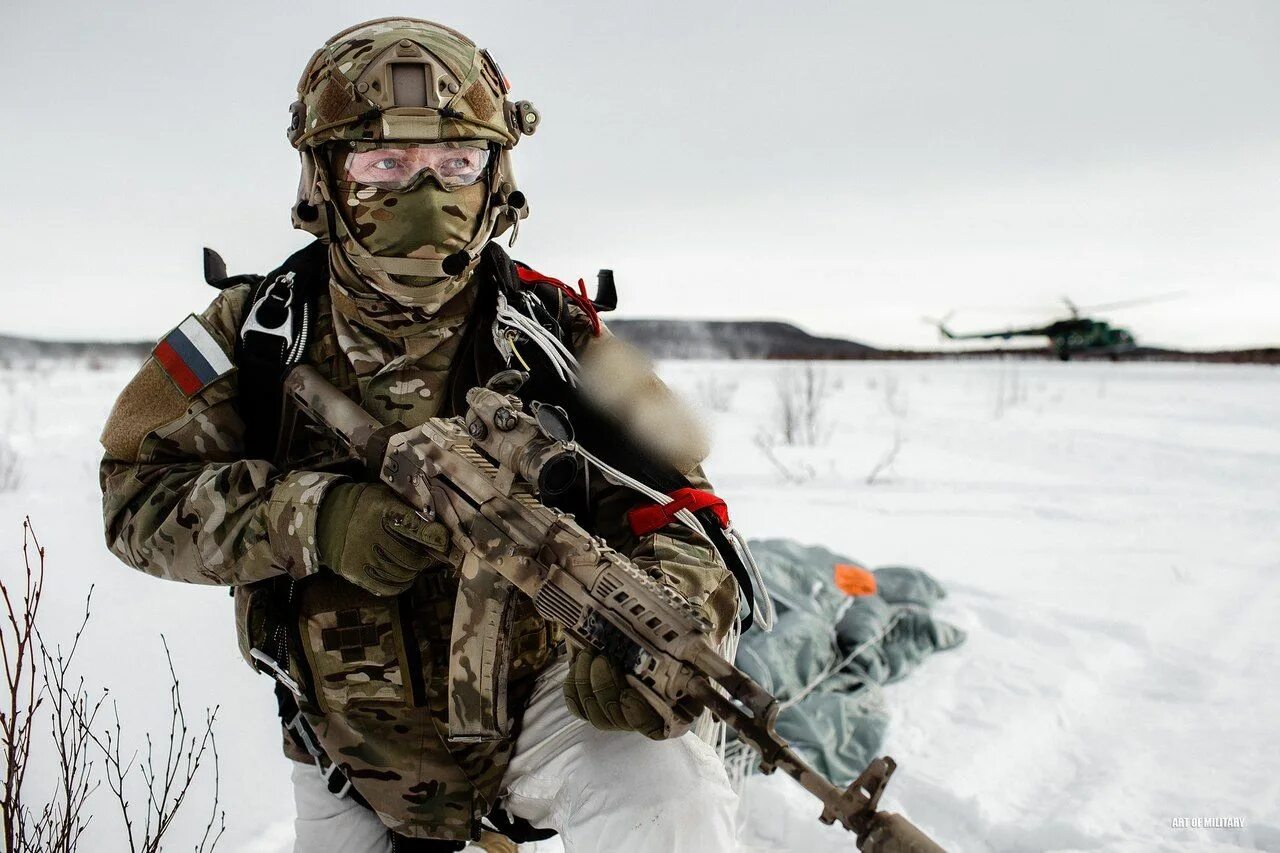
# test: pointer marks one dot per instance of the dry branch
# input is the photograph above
(38, 678)
(18, 648)
(166, 783)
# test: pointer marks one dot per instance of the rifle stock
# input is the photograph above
(481, 476)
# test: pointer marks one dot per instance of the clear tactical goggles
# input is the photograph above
(403, 166)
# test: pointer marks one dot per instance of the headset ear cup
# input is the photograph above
(308, 208)
(515, 206)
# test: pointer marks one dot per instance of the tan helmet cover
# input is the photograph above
(405, 80)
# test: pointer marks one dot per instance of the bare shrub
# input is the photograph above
(885, 463)
(796, 473)
(1010, 390)
(10, 467)
(800, 405)
(164, 781)
(54, 826)
(895, 402)
(65, 818)
(716, 392)
(22, 700)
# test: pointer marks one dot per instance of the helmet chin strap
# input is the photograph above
(376, 267)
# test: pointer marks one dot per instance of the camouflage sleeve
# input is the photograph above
(179, 501)
(622, 380)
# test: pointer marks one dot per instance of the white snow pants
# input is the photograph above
(601, 791)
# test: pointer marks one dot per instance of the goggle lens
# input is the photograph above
(399, 167)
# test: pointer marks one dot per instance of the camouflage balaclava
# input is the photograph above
(398, 255)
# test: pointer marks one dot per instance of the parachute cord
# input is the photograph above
(845, 661)
(613, 475)
(513, 320)
(765, 613)
(562, 360)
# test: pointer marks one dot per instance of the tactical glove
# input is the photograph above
(371, 537)
(597, 691)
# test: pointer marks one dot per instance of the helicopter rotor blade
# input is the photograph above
(941, 325)
(1131, 303)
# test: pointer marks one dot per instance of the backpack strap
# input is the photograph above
(273, 337)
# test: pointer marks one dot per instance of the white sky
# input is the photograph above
(848, 166)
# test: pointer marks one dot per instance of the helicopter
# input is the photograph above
(1071, 336)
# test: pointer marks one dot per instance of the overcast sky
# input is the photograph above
(848, 166)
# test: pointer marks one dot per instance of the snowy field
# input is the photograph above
(1108, 534)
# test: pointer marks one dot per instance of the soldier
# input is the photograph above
(341, 591)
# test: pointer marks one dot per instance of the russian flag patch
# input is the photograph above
(191, 356)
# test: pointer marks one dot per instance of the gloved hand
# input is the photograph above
(371, 537)
(597, 691)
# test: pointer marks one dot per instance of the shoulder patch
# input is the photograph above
(191, 357)
(147, 403)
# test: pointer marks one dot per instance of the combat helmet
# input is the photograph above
(406, 80)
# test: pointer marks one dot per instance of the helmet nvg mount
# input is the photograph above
(405, 80)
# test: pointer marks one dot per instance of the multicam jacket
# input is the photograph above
(181, 501)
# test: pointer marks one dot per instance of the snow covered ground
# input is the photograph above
(1108, 533)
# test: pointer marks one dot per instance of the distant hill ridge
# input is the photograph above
(688, 339)
(13, 347)
(762, 339)
(754, 339)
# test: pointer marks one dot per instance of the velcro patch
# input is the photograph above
(191, 356)
(478, 98)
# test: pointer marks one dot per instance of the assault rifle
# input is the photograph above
(482, 474)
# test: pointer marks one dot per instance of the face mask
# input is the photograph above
(425, 207)
(410, 215)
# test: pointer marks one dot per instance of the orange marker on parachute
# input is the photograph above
(852, 579)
